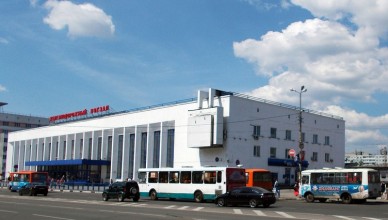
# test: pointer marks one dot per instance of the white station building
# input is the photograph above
(215, 129)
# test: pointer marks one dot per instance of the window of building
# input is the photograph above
(256, 151)
(272, 152)
(286, 153)
(273, 132)
(156, 155)
(81, 148)
(327, 140)
(120, 156)
(288, 135)
(256, 131)
(170, 147)
(143, 150)
(57, 151)
(327, 157)
(303, 137)
(5, 140)
(17, 124)
(314, 157)
(131, 155)
(99, 148)
(72, 149)
(315, 139)
(5, 123)
(28, 125)
(64, 150)
(110, 144)
(90, 148)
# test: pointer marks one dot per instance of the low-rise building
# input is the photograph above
(215, 129)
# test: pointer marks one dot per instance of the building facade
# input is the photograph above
(215, 129)
(14, 122)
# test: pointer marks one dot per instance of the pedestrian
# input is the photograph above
(382, 190)
(276, 188)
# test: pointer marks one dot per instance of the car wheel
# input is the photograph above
(105, 197)
(252, 203)
(153, 195)
(346, 198)
(198, 196)
(221, 202)
(133, 190)
(309, 197)
(120, 197)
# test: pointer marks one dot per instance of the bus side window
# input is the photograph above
(186, 177)
(153, 177)
(163, 177)
(142, 177)
(210, 177)
(174, 177)
(197, 177)
(219, 176)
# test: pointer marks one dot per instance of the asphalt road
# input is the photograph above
(85, 206)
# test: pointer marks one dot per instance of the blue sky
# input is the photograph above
(64, 56)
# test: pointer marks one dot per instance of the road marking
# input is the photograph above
(135, 213)
(285, 215)
(237, 211)
(260, 213)
(170, 207)
(371, 218)
(343, 217)
(184, 207)
(47, 216)
(60, 207)
(8, 211)
(198, 208)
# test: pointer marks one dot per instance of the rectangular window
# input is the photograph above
(170, 147)
(131, 155)
(197, 177)
(273, 132)
(272, 152)
(315, 139)
(288, 135)
(286, 153)
(120, 156)
(327, 140)
(303, 137)
(163, 177)
(256, 151)
(49, 152)
(72, 149)
(315, 156)
(90, 148)
(64, 150)
(81, 148)
(5, 123)
(155, 160)
(143, 150)
(186, 177)
(256, 131)
(174, 177)
(99, 148)
(110, 144)
(57, 151)
(327, 157)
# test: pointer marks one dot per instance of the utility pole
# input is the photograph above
(301, 145)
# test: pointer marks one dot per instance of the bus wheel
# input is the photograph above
(198, 196)
(153, 195)
(346, 198)
(309, 197)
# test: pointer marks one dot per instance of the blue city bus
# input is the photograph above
(347, 185)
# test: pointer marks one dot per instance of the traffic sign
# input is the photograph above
(291, 153)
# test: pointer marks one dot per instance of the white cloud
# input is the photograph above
(83, 20)
(336, 62)
(2, 88)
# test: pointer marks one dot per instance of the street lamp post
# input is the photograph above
(301, 145)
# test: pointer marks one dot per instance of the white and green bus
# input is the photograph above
(201, 183)
(342, 184)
